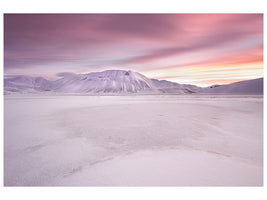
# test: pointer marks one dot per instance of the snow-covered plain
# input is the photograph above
(148, 140)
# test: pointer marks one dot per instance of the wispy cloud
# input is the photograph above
(141, 42)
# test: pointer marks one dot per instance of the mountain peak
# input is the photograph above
(122, 81)
(109, 81)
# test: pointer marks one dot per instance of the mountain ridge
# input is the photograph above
(122, 82)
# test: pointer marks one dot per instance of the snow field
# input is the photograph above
(149, 140)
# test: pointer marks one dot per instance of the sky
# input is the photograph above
(199, 49)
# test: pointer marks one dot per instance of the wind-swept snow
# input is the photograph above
(133, 140)
(167, 167)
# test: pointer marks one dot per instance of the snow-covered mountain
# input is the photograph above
(120, 82)
(164, 86)
(254, 86)
(27, 84)
(110, 81)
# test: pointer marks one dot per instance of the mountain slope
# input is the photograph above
(164, 86)
(120, 82)
(254, 86)
(27, 84)
(110, 81)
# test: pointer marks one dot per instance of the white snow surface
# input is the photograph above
(148, 140)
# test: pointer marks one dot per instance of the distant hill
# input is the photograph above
(254, 86)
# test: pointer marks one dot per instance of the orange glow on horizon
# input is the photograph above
(209, 75)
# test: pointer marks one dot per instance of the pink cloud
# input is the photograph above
(124, 40)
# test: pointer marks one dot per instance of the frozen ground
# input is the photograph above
(160, 140)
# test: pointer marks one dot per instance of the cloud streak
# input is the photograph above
(141, 42)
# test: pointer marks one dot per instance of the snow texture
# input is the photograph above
(149, 140)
